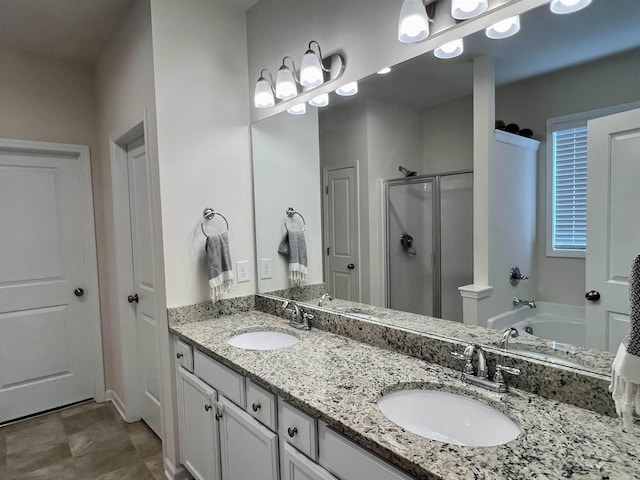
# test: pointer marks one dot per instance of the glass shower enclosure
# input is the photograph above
(429, 243)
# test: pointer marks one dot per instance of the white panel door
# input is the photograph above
(342, 233)
(613, 230)
(46, 356)
(144, 288)
(248, 450)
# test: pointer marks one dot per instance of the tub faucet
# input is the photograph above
(297, 317)
(519, 301)
(324, 297)
(508, 332)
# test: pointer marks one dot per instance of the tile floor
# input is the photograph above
(84, 442)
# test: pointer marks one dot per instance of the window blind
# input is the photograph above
(570, 189)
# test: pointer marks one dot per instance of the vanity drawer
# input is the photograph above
(349, 461)
(298, 429)
(226, 381)
(184, 355)
(261, 405)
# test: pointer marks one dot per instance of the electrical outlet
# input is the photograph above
(266, 266)
(242, 271)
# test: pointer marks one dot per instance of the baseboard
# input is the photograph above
(173, 473)
(114, 398)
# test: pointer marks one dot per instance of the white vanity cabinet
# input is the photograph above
(248, 449)
(295, 466)
(199, 438)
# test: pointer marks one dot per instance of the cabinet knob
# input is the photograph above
(292, 431)
(179, 355)
(255, 407)
(207, 407)
(218, 416)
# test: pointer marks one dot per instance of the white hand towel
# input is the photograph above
(219, 265)
(625, 371)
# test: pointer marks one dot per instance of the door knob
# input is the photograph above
(78, 292)
(592, 295)
(133, 298)
(351, 266)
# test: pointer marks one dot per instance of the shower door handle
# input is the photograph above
(351, 266)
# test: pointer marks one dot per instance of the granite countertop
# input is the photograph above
(339, 380)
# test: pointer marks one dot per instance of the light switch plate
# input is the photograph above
(266, 266)
(242, 271)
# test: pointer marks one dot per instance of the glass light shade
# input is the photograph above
(450, 49)
(299, 109)
(568, 6)
(384, 71)
(504, 28)
(348, 89)
(321, 100)
(311, 70)
(263, 95)
(413, 25)
(285, 84)
(464, 9)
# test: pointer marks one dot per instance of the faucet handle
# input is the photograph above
(499, 378)
(466, 357)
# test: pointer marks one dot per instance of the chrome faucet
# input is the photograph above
(508, 333)
(297, 317)
(519, 301)
(478, 374)
(324, 297)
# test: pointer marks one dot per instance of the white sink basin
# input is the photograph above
(263, 340)
(448, 418)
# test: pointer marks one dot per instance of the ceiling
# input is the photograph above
(71, 29)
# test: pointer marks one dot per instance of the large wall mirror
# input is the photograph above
(382, 182)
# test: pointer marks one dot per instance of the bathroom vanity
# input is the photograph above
(310, 411)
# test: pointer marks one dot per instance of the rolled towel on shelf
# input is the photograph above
(294, 245)
(625, 371)
(219, 265)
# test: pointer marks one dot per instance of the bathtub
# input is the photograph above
(552, 321)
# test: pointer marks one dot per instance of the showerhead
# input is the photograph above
(407, 173)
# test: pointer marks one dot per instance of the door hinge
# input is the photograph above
(327, 251)
(326, 189)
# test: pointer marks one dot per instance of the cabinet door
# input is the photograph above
(248, 449)
(199, 444)
(295, 466)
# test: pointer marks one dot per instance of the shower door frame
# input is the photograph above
(437, 234)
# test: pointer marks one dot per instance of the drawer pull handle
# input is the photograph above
(179, 355)
(255, 407)
(218, 416)
(207, 407)
(292, 431)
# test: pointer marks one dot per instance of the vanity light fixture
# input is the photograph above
(384, 71)
(311, 70)
(321, 100)
(299, 109)
(263, 95)
(465, 9)
(450, 49)
(504, 28)
(286, 81)
(568, 6)
(348, 89)
(413, 24)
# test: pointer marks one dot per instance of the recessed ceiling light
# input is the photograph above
(384, 71)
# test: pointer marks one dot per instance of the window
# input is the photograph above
(567, 181)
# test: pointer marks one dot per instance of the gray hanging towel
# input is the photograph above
(219, 265)
(294, 245)
(625, 372)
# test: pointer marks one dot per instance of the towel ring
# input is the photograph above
(290, 213)
(208, 214)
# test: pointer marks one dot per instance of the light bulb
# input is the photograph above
(285, 84)
(311, 70)
(464, 9)
(263, 96)
(299, 109)
(321, 100)
(413, 25)
(568, 6)
(450, 49)
(348, 89)
(504, 28)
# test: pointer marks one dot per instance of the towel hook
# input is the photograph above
(208, 214)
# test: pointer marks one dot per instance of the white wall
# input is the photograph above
(202, 99)
(286, 163)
